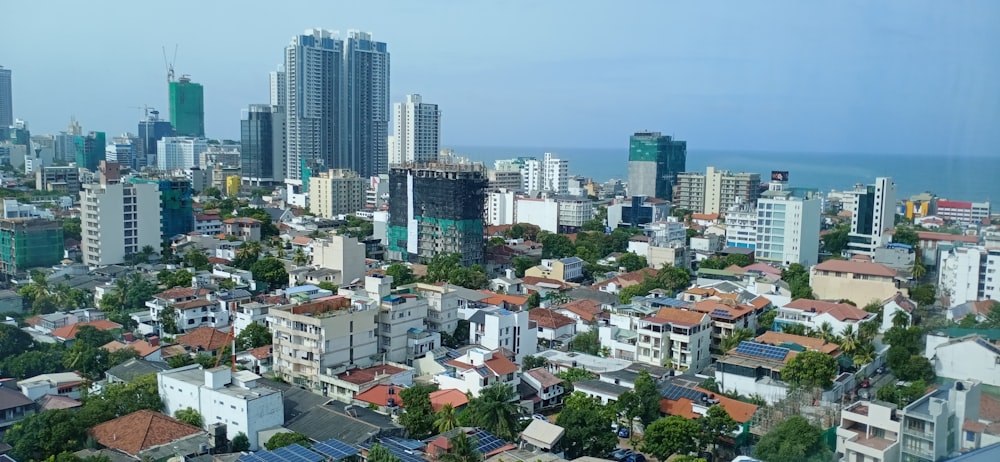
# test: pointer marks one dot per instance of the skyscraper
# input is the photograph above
(262, 144)
(93, 151)
(337, 103)
(872, 214)
(187, 108)
(417, 135)
(6, 99)
(367, 99)
(150, 131)
(179, 153)
(654, 160)
(437, 210)
(277, 86)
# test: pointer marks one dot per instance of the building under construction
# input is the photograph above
(176, 205)
(27, 243)
(437, 209)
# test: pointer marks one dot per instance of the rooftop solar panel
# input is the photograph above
(248, 458)
(335, 450)
(486, 442)
(298, 453)
(399, 451)
(674, 393)
(761, 350)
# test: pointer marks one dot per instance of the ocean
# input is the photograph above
(950, 177)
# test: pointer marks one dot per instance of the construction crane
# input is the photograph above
(170, 64)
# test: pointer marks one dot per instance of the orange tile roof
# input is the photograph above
(680, 317)
(628, 279)
(763, 268)
(301, 240)
(140, 346)
(263, 352)
(817, 344)
(683, 407)
(550, 319)
(735, 310)
(705, 216)
(450, 396)
(193, 304)
(930, 236)
(535, 280)
(760, 302)
(738, 410)
(379, 395)
(500, 299)
(141, 430)
(584, 308)
(180, 292)
(205, 337)
(362, 376)
(69, 332)
(242, 221)
(856, 267)
(544, 377)
(500, 365)
(840, 311)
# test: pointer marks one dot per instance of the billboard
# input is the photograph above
(781, 176)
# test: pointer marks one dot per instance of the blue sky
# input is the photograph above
(908, 76)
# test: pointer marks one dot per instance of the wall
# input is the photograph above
(543, 213)
(859, 291)
(964, 360)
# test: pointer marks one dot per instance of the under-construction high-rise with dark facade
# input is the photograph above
(437, 209)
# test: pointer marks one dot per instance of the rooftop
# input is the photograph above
(678, 317)
(550, 319)
(594, 364)
(370, 374)
(584, 308)
(543, 377)
(141, 430)
(781, 338)
(69, 332)
(196, 376)
(840, 311)
(448, 396)
(856, 267)
(205, 338)
(134, 368)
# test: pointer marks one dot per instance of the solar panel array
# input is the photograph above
(486, 442)
(761, 350)
(335, 450)
(674, 393)
(721, 313)
(402, 452)
(413, 445)
(292, 453)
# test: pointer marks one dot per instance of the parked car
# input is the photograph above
(540, 417)
(623, 432)
(635, 457)
(621, 454)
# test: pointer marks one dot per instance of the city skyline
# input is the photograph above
(769, 76)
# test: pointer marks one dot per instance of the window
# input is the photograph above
(970, 436)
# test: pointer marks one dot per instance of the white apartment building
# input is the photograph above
(222, 396)
(873, 213)
(495, 328)
(400, 319)
(317, 340)
(477, 369)
(574, 212)
(741, 226)
(787, 229)
(507, 179)
(675, 338)
(548, 174)
(869, 431)
(443, 303)
(336, 192)
(118, 220)
(968, 274)
(179, 152)
(813, 314)
(417, 132)
(968, 357)
(715, 191)
(250, 313)
(343, 254)
(543, 213)
(935, 426)
(377, 192)
(500, 207)
(276, 81)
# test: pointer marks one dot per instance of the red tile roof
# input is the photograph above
(584, 308)
(450, 396)
(207, 338)
(140, 346)
(705, 216)
(204, 217)
(943, 204)
(301, 240)
(816, 344)
(544, 377)
(679, 317)
(379, 395)
(856, 267)
(738, 410)
(263, 352)
(549, 318)
(180, 292)
(683, 407)
(194, 304)
(840, 311)
(945, 237)
(141, 430)
(627, 279)
(535, 280)
(69, 332)
(729, 305)
(362, 376)
(242, 220)
(500, 299)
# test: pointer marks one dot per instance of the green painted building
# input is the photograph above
(654, 160)
(91, 150)
(27, 243)
(187, 108)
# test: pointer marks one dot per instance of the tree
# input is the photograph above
(124, 398)
(918, 269)
(586, 422)
(379, 453)
(45, 434)
(797, 277)
(632, 262)
(247, 254)
(190, 416)
(556, 245)
(71, 228)
(240, 443)
(836, 241)
(13, 341)
(530, 362)
(924, 294)
(643, 400)
(521, 264)
(534, 300)
(213, 192)
(587, 342)
(917, 367)
(168, 320)
(793, 440)
(906, 235)
(737, 259)
(196, 258)
(810, 369)
(673, 279)
(496, 411)
(418, 418)
(715, 424)
(299, 257)
(445, 419)
(767, 320)
(992, 320)
(463, 449)
(401, 274)
(902, 395)
(671, 435)
(733, 340)
(280, 440)
(171, 279)
(255, 335)
(271, 271)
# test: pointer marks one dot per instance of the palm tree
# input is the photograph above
(794, 329)
(733, 340)
(918, 269)
(495, 410)
(900, 319)
(825, 332)
(865, 354)
(868, 330)
(445, 419)
(463, 449)
(849, 340)
(300, 258)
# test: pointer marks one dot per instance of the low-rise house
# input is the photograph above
(191, 306)
(67, 334)
(495, 328)
(897, 304)
(47, 323)
(384, 399)
(505, 301)
(554, 327)
(585, 312)
(607, 392)
(61, 383)
(244, 228)
(978, 309)
(970, 357)
(858, 281)
(564, 269)
(561, 361)
(14, 405)
(675, 338)
(450, 396)
(813, 314)
(477, 369)
(249, 313)
(348, 384)
(692, 403)
(541, 436)
(257, 360)
(131, 370)
(547, 388)
(869, 430)
(615, 284)
(507, 284)
(11, 302)
(56, 402)
(209, 225)
(148, 350)
(150, 434)
(204, 340)
(222, 396)
(351, 424)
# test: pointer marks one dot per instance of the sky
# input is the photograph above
(903, 77)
